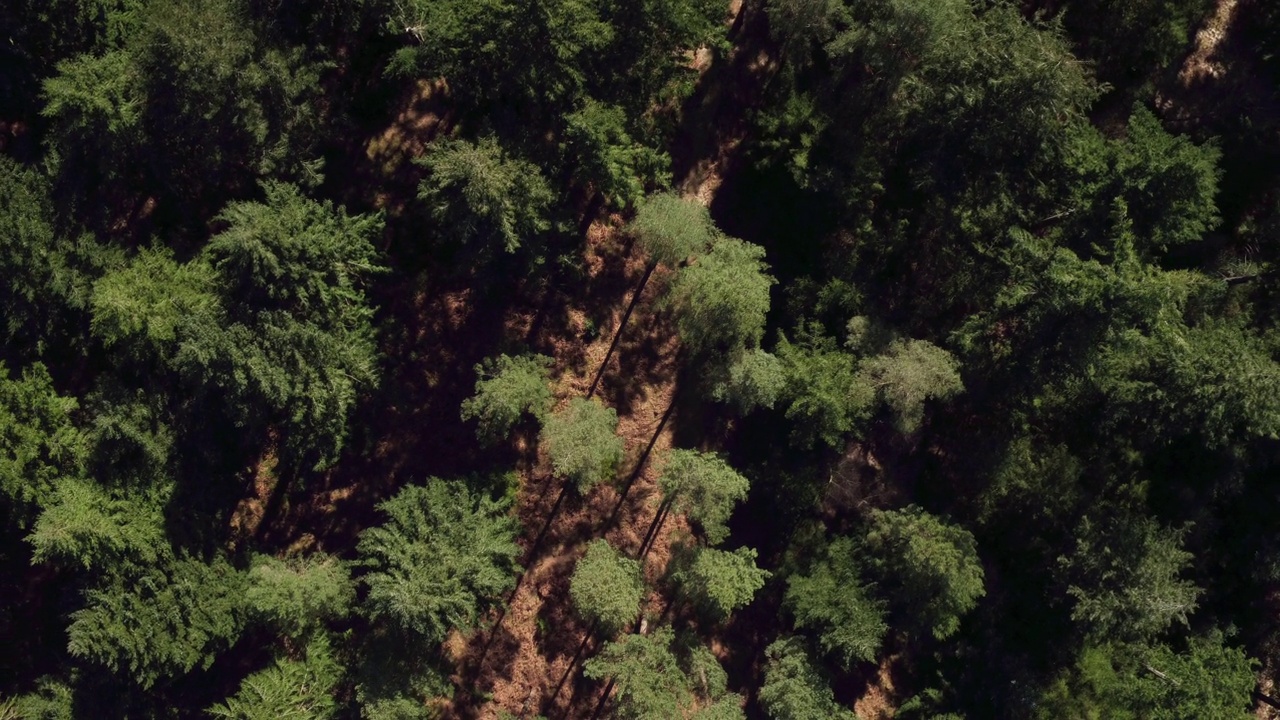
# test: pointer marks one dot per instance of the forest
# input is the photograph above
(640, 359)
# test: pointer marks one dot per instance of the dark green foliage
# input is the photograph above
(1210, 679)
(52, 700)
(40, 447)
(581, 442)
(477, 193)
(834, 601)
(162, 622)
(721, 581)
(928, 568)
(795, 688)
(289, 688)
(507, 390)
(721, 300)
(672, 229)
(1124, 576)
(827, 399)
(703, 487)
(1131, 38)
(298, 596)
(607, 587)
(47, 275)
(608, 158)
(443, 556)
(292, 345)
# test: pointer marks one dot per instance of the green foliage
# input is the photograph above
(52, 700)
(608, 158)
(298, 596)
(721, 300)
(728, 707)
(161, 622)
(582, 443)
(289, 688)
(478, 193)
(1124, 575)
(650, 683)
(755, 379)
(721, 581)
(910, 373)
(145, 304)
(294, 345)
(795, 688)
(440, 559)
(40, 447)
(508, 389)
(1210, 679)
(671, 229)
(1132, 38)
(47, 276)
(85, 525)
(833, 600)
(607, 587)
(827, 399)
(928, 568)
(223, 107)
(703, 487)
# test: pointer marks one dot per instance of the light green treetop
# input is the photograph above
(507, 389)
(607, 587)
(705, 488)
(582, 443)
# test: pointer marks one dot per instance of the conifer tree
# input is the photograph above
(794, 687)
(834, 600)
(704, 488)
(298, 595)
(607, 587)
(443, 555)
(720, 301)
(582, 442)
(508, 389)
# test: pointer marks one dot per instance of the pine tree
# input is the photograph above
(607, 587)
(443, 555)
(704, 488)
(834, 600)
(162, 622)
(719, 580)
(298, 596)
(288, 689)
(670, 229)
(508, 389)
(794, 687)
(928, 568)
(40, 447)
(650, 683)
(582, 443)
(720, 301)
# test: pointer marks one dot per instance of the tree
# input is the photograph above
(910, 373)
(721, 581)
(40, 447)
(835, 601)
(161, 622)
(825, 395)
(289, 688)
(85, 525)
(755, 379)
(293, 344)
(442, 556)
(928, 568)
(1124, 575)
(651, 685)
(721, 300)
(478, 193)
(508, 389)
(704, 488)
(582, 443)
(607, 587)
(298, 596)
(606, 155)
(671, 229)
(794, 688)
(141, 308)
(1210, 679)
(47, 274)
